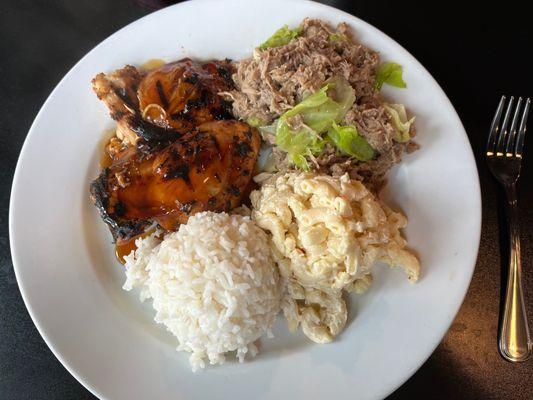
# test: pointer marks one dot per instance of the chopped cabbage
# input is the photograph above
(391, 74)
(322, 108)
(319, 112)
(400, 121)
(298, 144)
(348, 141)
(337, 37)
(255, 122)
(281, 37)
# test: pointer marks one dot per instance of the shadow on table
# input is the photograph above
(440, 378)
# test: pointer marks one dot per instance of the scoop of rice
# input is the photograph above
(213, 283)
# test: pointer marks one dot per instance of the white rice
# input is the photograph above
(213, 283)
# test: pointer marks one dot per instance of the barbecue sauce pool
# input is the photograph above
(105, 159)
(152, 64)
(124, 249)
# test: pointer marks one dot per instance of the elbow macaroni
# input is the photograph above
(326, 234)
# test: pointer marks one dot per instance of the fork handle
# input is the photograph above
(514, 340)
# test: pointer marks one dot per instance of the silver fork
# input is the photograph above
(504, 157)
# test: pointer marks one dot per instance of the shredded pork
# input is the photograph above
(276, 79)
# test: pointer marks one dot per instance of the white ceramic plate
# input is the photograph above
(71, 282)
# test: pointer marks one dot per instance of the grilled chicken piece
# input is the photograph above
(208, 168)
(184, 94)
(176, 97)
(118, 90)
(133, 134)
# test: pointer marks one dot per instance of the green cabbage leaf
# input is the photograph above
(391, 74)
(348, 141)
(281, 37)
(318, 112)
(400, 121)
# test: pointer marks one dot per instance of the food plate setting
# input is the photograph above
(264, 209)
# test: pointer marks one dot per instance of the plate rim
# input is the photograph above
(327, 8)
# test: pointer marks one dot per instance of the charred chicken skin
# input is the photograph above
(176, 150)
(118, 90)
(176, 97)
(183, 94)
(208, 168)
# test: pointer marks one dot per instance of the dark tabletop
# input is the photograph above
(475, 55)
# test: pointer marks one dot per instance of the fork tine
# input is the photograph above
(503, 128)
(522, 130)
(493, 134)
(510, 140)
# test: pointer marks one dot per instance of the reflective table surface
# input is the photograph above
(475, 55)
